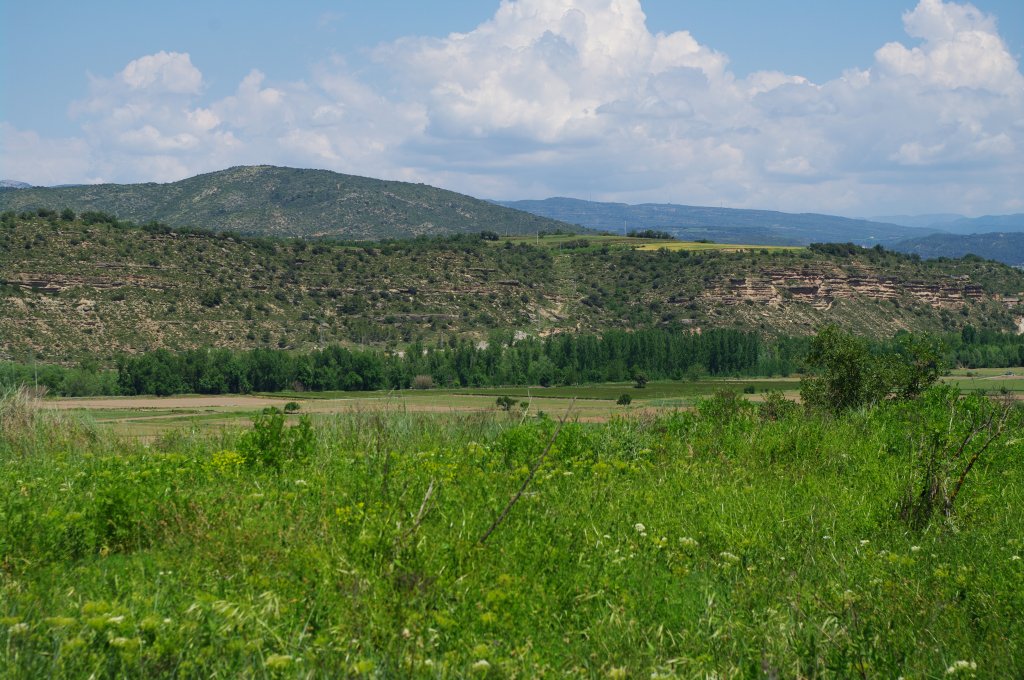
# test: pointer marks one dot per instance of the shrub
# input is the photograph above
(723, 407)
(211, 298)
(776, 407)
(271, 444)
(624, 400)
(423, 382)
(845, 375)
(292, 407)
(506, 403)
(957, 432)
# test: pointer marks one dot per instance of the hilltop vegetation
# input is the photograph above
(90, 286)
(272, 201)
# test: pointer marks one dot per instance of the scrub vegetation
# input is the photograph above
(87, 287)
(738, 539)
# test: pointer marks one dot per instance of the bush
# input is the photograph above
(776, 407)
(271, 444)
(624, 400)
(423, 382)
(506, 403)
(845, 375)
(292, 407)
(955, 432)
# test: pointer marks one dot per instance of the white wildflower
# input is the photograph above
(688, 542)
(864, 541)
(115, 619)
(640, 528)
(301, 482)
(481, 666)
(18, 629)
(729, 557)
(915, 548)
(961, 665)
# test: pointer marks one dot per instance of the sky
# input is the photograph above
(866, 107)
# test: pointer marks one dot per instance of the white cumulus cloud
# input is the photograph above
(163, 72)
(579, 97)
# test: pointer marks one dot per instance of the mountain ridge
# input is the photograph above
(1005, 247)
(273, 201)
(724, 225)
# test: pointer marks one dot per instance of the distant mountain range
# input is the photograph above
(723, 225)
(988, 223)
(958, 224)
(267, 200)
(919, 221)
(1005, 247)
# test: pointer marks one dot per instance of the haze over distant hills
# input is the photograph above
(723, 225)
(269, 200)
(13, 184)
(958, 224)
(987, 223)
(1006, 247)
(919, 221)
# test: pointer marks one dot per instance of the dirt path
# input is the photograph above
(164, 403)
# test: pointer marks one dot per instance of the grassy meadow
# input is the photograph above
(733, 540)
(594, 241)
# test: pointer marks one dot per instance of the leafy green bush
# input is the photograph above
(844, 374)
(269, 443)
(505, 402)
(947, 436)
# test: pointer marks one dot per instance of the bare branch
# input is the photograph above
(419, 515)
(995, 432)
(526, 482)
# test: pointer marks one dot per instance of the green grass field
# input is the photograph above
(992, 380)
(149, 417)
(595, 241)
(730, 541)
(593, 402)
(724, 247)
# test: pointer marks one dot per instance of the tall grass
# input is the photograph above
(27, 427)
(722, 543)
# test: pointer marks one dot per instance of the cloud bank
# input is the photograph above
(578, 97)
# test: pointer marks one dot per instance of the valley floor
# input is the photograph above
(729, 540)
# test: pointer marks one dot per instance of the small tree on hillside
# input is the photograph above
(639, 380)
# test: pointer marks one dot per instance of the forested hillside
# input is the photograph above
(88, 286)
(267, 200)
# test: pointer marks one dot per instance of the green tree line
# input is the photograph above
(562, 359)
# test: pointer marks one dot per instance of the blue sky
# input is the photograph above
(867, 107)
